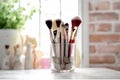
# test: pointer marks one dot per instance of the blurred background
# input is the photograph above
(103, 20)
(104, 33)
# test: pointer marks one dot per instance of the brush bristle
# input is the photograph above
(76, 21)
(54, 27)
(66, 24)
(49, 23)
(63, 25)
(58, 22)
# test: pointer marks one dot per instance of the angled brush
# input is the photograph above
(49, 25)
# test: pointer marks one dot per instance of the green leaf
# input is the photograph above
(12, 18)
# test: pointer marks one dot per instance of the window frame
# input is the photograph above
(83, 11)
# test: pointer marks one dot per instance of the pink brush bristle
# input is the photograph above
(58, 22)
(76, 21)
(49, 23)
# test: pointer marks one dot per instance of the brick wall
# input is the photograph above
(104, 25)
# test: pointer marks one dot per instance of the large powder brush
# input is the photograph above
(76, 21)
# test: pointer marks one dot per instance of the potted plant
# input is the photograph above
(12, 20)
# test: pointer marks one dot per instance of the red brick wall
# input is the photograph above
(104, 25)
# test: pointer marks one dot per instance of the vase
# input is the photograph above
(11, 53)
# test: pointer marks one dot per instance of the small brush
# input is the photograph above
(76, 21)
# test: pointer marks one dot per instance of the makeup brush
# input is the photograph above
(75, 24)
(49, 25)
(66, 28)
(65, 38)
(76, 21)
(58, 23)
(62, 41)
(58, 38)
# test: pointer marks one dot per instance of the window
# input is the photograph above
(52, 9)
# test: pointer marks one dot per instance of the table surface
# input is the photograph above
(45, 74)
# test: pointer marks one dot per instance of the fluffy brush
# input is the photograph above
(76, 21)
(75, 24)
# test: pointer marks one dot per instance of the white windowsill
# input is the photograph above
(45, 74)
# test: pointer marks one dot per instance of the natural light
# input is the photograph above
(49, 9)
(55, 9)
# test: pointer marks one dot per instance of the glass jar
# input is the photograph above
(62, 57)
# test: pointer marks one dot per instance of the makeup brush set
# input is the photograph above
(63, 42)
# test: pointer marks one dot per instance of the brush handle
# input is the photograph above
(60, 49)
(65, 42)
(75, 32)
(70, 48)
(66, 28)
(55, 34)
(51, 36)
(72, 39)
(57, 43)
(66, 48)
(56, 49)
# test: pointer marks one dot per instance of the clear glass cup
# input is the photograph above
(62, 57)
